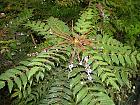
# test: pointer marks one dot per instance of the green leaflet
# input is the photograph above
(82, 93)
(36, 95)
(44, 55)
(135, 53)
(17, 93)
(31, 97)
(98, 88)
(138, 57)
(106, 75)
(100, 71)
(10, 85)
(87, 99)
(133, 59)
(25, 93)
(14, 71)
(25, 63)
(36, 64)
(24, 80)
(127, 59)
(32, 71)
(48, 67)
(29, 89)
(22, 68)
(125, 78)
(74, 72)
(121, 59)
(39, 60)
(118, 76)
(105, 38)
(46, 61)
(97, 58)
(115, 59)
(67, 97)
(102, 63)
(6, 76)
(56, 89)
(107, 48)
(95, 65)
(18, 82)
(77, 88)
(78, 29)
(104, 99)
(109, 41)
(112, 82)
(2, 84)
(39, 75)
(94, 102)
(68, 91)
(58, 55)
(107, 58)
(75, 81)
(106, 69)
(54, 95)
(9, 74)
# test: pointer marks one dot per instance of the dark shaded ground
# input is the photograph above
(4, 97)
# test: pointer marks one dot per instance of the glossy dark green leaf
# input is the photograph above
(77, 88)
(32, 71)
(127, 59)
(82, 93)
(115, 59)
(75, 81)
(124, 76)
(133, 60)
(121, 59)
(18, 82)
(10, 85)
(24, 79)
(87, 99)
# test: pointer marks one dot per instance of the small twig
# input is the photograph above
(33, 40)
(72, 26)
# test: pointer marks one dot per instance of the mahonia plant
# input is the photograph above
(80, 66)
